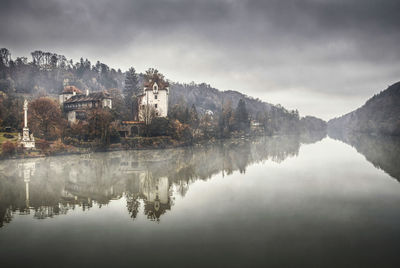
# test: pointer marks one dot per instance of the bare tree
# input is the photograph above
(37, 57)
(147, 114)
(45, 118)
(5, 56)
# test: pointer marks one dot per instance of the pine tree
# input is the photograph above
(194, 117)
(241, 116)
(131, 91)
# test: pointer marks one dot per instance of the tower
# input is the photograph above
(154, 97)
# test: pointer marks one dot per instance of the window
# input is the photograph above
(155, 106)
(155, 96)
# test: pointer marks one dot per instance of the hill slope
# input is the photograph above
(48, 73)
(379, 115)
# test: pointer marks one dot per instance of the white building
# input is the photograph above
(155, 95)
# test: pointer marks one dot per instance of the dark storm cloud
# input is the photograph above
(278, 50)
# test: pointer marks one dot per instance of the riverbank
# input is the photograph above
(59, 148)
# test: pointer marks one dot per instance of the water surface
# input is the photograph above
(276, 202)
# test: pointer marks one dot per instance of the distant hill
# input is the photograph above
(279, 119)
(380, 115)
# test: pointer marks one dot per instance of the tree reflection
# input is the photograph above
(53, 186)
(382, 151)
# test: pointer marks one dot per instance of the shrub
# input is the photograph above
(114, 136)
(8, 136)
(57, 147)
(8, 148)
(42, 145)
(160, 126)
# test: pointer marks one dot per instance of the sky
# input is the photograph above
(322, 57)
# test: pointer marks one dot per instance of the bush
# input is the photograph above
(160, 126)
(8, 136)
(8, 148)
(42, 145)
(114, 136)
(58, 147)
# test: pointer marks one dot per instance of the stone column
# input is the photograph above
(25, 113)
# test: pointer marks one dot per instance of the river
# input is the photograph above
(267, 202)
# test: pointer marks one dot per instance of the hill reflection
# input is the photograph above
(148, 179)
(382, 151)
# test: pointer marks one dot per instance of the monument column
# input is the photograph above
(27, 140)
(25, 113)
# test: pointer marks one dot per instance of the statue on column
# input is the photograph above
(28, 141)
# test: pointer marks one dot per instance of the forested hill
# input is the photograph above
(379, 115)
(47, 73)
(205, 97)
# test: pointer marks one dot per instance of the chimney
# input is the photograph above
(87, 92)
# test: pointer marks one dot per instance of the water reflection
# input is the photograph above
(148, 180)
(382, 152)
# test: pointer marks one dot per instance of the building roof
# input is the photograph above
(71, 90)
(161, 84)
(95, 96)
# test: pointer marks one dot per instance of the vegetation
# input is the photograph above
(8, 148)
(131, 91)
(380, 115)
(45, 118)
(197, 112)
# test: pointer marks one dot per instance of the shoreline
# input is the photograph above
(157, 143)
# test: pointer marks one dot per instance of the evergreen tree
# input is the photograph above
(131, 91)
(194, 117)
(241, 116)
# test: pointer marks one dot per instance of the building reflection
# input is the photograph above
(148, 180)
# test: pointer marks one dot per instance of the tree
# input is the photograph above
(99, 125)
(160, 126)
(45, 118)
(37, 57)
(241, 117)
(225, 120)
(194, 120)
(131, 91)
(154, 74)
(119, 110)
(5, 56)
(193, 117)
(206, 125)
(147, 114)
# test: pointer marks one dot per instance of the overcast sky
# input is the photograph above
(323, 57)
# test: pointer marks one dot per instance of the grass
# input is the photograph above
(3, 139)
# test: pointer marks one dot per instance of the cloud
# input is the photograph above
(275, 50)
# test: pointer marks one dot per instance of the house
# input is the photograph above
(68, 92)
(155, 95)
(77, 105)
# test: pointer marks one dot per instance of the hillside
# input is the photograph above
(380, 115)
(47, 73)
(206, 97)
